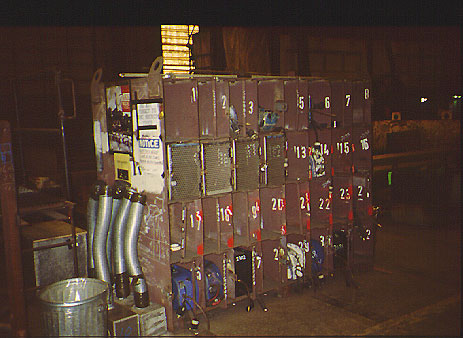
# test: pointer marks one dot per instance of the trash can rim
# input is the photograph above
(75, 303)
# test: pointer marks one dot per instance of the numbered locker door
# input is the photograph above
(184, 179)
(273, 159)
(342, 199)
(194, 229)
(211, 225)
(298, 156)
(359, 93)
(250, 101)
(362, 195)
(363, 244)
(207, 109)
(274, 261)
(177, 231)
(271, 104)
(362, 148)
(298, 253)
(254, 216)
(181, 110)
(237, 108)
(291, 98)
(367, 103)
(321, 257)
(222, 108)
(273, 213)
(246, 163)
(217, 168)
(320, 102)
(297, 207)
(225, 219)
(341, 159)
(216, 280)
(320, 203)
(320, 154)
(337, 103)
(240, 219)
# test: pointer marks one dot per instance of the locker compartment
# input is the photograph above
(187, 284)
(273, 209)
(254, 216)
(341, 159)
(341, 103)
(320, 103)
(362, 195)
(181, 110)
(271, 105)
(225, 219)
(363, 244)
(243, 267)
(222, 107)
(342, 199)
(320, 154)
(362, 140)
(217, 167)
(240, 219)
(319, 241)
(274, 264)
(216, 283)
(298, 156)
(186, 230)
(250, 98)
(273, 160)
(297, 99)
(320, 202)
(297, 207)
(361, 112)
(238, 107)
(184, 180)
(341, 248)
(298, 253)
(246, 163)
(207, 113)
(367, 103)
(218, 223)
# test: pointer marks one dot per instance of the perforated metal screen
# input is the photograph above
(217, 167)
(246, 165)
(184, 171)
(275, 159)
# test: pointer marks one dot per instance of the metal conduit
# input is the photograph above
(92, 211)
(141, 297)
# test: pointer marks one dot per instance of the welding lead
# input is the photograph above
(120, 225)
(100, 237)
(118, 192)
(92, 212)
(141, 297)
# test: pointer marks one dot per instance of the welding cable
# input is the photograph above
(119, 189)
(121, 277)
(105, 203)
(141, 297)
(92, 212)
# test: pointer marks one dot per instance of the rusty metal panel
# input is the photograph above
(358, 100)
(237, 108)
(274, 159)
(207, 113)
(177, 231)
(257, 269)
(320, 102)
(298, 156)
(217, 167)
(303, 105)
(320, 154)
(291, 99)
(338, 102)
(274, 259)
(211, 225)
(298, 252)
(181, 110)
(362, 195)
(362, 138)
(341, 247)
(342, 199)
(273, 212)
(320, 202)
(323, 237)
(341, 159)
(348, 104)
(194, 223)
(225, 220)
(240, 219)
(271, 101)
(222, 108)
(363, 245)
(184, 171)
(246, 163)
(250, 99)
(367, 103)
(297, 207)
(254, 216)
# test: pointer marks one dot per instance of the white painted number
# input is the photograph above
(300, 102)
(322, 239)
(251, 107)
(193, 96)
(301, 151)
(198, 273)
(360, 193)
(278, 204)
(365, 145)
(304, 245)
(224, 102)
(345, 195)
(367, 93)
(343, 147)
(327, 102)
(324, 204)
(347, 100)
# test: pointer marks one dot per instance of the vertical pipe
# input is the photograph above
(99, 240)
(18, 314)
(92, 212)
(141, 297)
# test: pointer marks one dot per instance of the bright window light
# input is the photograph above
(176, 53)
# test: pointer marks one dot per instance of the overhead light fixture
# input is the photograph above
(424, 99)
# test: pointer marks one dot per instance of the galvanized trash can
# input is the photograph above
(75, 307)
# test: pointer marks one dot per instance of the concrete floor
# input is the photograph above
(413, 290)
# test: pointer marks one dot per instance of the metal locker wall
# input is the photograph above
(320, 103)
(184, 178)
(181, 110)
(341, 159)
(246, 163)
(217, 167)
(298, 156)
